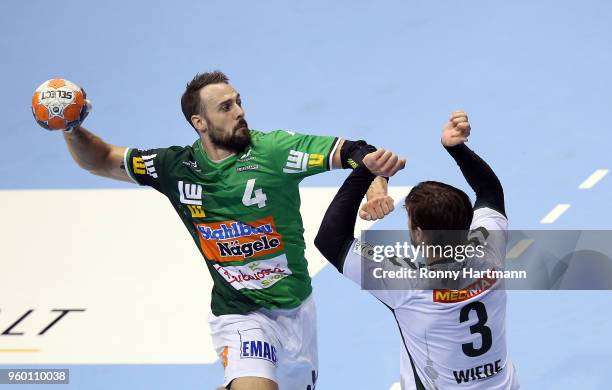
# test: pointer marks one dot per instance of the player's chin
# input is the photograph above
(241, 139)
(242, 131)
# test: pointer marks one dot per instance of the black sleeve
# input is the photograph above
(480, 176)
(336, 231)
(353, 152)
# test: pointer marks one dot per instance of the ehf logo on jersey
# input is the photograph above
(298, 162)
(237, 241)
(144, 165)
(191, 195)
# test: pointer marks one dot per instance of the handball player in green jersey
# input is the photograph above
(236, 191)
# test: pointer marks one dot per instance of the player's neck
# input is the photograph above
(214, 152)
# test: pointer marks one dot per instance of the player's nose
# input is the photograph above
(239, 112)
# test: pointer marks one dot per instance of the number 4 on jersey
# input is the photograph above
(248, 199)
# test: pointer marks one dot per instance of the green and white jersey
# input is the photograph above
(243, 213)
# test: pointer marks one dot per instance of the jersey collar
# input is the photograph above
(204, 160)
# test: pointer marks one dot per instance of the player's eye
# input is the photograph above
(239, 102)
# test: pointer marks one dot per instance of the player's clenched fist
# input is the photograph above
(457, 130)
(383, 163)
(377, 208)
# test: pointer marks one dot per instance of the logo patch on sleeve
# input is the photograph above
(144, 165)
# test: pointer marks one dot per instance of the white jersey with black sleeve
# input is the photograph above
(452, 339)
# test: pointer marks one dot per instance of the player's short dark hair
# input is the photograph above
(190, 101)
(435, 206)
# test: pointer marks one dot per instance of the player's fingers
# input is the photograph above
(401, 164)
(460, 119)
(371, 159)
(390, 164)
(378, 212)
(456, 114)
(384, 158)
(364, 215)
(390, 203)
(456, 132)
(464, 127)
(376, 155)
(385, 206)
(454, 137)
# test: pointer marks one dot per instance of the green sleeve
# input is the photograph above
(145, 167)
(302, 155)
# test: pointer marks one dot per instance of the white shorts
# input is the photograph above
(280, 345)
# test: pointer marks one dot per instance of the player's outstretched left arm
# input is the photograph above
(335, 234)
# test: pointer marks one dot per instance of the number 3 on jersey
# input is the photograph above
(479, 327)
(259, 198)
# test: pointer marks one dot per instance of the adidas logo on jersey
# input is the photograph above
(246, 157)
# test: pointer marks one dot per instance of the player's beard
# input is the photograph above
(237, 141)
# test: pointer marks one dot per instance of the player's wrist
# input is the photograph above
(353, 152)
(72, 131)
(378, 188)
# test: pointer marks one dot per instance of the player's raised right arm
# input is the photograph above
(96, 156)
(478, 174)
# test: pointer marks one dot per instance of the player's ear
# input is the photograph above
(199, 123)
(419, 235)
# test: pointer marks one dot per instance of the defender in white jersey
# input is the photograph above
(453, 337)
